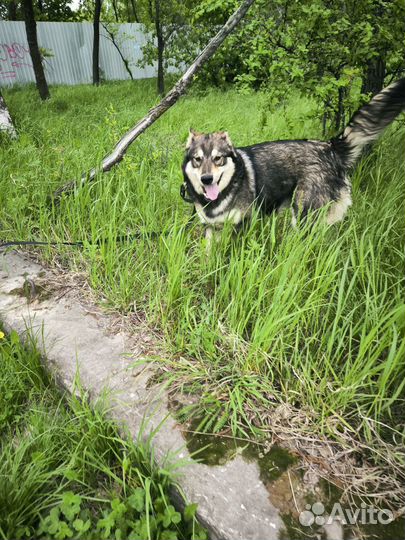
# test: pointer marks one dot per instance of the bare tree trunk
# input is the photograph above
(31, 29)
(170, 99)
(134, 11)
(6, 124)
(114, 4)
(12, 10)
(160, 47)
(150, 11)
(324, 121)
(373, 78)
(96, 42)
(373, 82)
(340, 113)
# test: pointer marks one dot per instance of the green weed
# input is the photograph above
(65, 470)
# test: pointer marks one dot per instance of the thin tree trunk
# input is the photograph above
(135, 11)
(171, 98)
(150, 11)
(324, 121)
(12, 10)
(373, 79)
(114, 4)
(96, 42)
(31, 29)
(124, 60)
(373, 82)
(340, 113)
(160, 47)
(6, 124)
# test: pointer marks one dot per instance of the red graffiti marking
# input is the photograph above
(20, 64)
(8, 74)
(14, 55)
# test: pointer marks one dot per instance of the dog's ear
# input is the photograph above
(191, 136)
(224, 135)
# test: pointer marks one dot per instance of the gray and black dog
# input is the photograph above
(224, 182)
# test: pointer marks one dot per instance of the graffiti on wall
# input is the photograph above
(66, 50)
(12, 57)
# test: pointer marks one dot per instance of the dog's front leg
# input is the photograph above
(211, 235)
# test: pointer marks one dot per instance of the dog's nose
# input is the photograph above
(207, 179)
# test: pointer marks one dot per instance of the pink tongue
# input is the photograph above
(212, 192)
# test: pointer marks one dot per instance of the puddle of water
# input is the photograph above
(211, 449)
(295, 531)
(217, 450)
(288, 491)
(272, 463)
(394, 530)
(32, 291)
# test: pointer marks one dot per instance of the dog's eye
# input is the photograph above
(219, 160)
(197, 161)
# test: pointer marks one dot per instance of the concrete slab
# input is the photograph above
(232, 501)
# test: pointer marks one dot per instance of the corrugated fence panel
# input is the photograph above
(15, 59)
(69, 52)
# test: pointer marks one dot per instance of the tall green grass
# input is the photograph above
(313, 316)
(65, 470)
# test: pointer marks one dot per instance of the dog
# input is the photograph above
(224, 182)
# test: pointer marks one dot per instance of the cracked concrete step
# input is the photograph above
(232, 501)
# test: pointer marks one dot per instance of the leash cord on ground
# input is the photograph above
(121, 238)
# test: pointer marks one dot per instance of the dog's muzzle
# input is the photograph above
(207, 179)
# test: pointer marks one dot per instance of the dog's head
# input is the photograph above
(209, 162)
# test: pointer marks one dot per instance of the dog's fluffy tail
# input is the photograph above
(367, 124)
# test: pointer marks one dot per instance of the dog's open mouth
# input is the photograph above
(212, 191)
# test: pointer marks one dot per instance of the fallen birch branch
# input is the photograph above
(168, 101)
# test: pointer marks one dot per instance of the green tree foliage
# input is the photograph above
(321, 48)
(114, 11)
(317, 47)
(45, 10)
